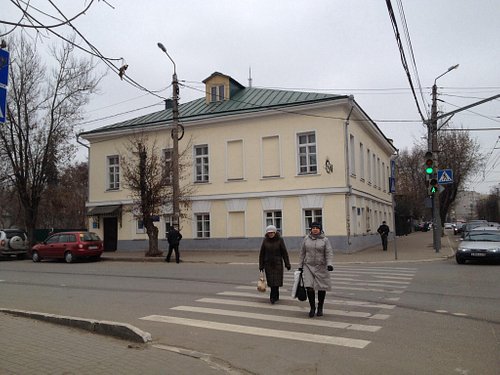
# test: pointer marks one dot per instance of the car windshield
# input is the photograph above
(90, 236)
(483, 236)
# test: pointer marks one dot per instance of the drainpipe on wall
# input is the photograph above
(348, 173)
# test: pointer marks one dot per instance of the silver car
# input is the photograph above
(14, 242)
(479, 243)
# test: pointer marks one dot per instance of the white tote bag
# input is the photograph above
(296, 277)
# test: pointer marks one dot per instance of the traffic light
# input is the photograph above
(433, 186)
(429, 163)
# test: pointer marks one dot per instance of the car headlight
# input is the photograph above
(496, 250)
(462, 249)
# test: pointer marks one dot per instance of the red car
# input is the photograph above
(68, 246)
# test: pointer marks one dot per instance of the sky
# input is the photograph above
(332, 46)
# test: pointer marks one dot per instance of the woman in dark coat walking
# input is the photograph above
(316, 261)
(272, 255)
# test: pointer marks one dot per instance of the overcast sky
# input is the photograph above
(334, 46)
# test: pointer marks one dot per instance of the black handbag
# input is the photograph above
(301, 293)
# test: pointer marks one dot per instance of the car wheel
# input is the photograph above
(460, 260)
(68, 257)
(36, 257)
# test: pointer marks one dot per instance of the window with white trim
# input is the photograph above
(361, 161)
(203, 225)
(167, 166)
(312, 215)
(217, 93)
(307, 153)
(201, 163)
(352, 156)
(274, 218)
(113, 172)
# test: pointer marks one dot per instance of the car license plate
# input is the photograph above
(478, 254)
(92, 247)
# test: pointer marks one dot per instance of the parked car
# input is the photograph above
(479, 243)
(14, 242)
(68, 246)
(471, 225)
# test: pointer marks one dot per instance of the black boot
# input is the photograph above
(312, 301)
(321, 300)
(273, 297)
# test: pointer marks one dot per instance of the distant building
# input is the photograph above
(465, 206)
(259, 157)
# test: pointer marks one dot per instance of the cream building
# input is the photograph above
(257, 157)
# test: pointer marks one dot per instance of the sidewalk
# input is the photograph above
(413, 247)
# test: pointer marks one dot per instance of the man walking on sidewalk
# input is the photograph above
(383, 230)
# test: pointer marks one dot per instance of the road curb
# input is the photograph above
(103, 327)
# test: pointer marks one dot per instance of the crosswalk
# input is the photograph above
(361, 301)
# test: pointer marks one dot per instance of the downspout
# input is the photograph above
(348, 173)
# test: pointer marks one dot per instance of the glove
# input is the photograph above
(329, 268)
(300, 269)
(288, 268)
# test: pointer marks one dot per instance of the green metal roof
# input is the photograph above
(246, 100)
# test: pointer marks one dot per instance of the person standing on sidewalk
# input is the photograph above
(174, 238)
(272, 254)
(316, 261)
(383, 230)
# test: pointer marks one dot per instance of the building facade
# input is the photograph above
(256, 157)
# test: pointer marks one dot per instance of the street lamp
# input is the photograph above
(175, 142)
(433, 148)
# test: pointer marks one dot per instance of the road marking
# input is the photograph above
(380, 273)
(368, 289)
(356, 314)
(281, 319)
(263, 332)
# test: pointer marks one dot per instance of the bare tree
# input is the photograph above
(147, 174)
(43, 106)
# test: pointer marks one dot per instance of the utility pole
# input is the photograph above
(175, 144)
(436, 215)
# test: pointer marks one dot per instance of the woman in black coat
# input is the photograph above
(272, 255)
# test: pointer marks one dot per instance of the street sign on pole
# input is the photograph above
(4, 67)
(445, 176)
(3, 104)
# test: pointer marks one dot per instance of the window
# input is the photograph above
(202, 225)
(167, 166)
(234, 160)
(274, 218)
(140, 227)
(169, 222)
(384, 180)
(217, 93)
(352, 157)
(271, 157)
(307, 153)
(361, 161)
(311, 216)
(201, 163)
(113, 172)
(369, 166)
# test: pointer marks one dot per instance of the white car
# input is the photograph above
(14, 242)
(479, 243)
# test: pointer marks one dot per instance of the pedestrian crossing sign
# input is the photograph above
(445, 176)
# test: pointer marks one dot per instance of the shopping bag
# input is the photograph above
(301, 289)
(261, 283)
(296, 278)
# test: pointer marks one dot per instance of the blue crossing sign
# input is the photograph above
(445, 176)
(4, 78)
(3, 104)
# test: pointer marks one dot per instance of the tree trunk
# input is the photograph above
(153, 250)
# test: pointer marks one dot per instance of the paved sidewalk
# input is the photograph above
(38, 347)
(414, 247)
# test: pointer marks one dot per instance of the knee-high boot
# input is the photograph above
(321, 300)
(312, 301)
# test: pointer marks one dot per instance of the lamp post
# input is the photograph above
(433, 148)
(175, 143)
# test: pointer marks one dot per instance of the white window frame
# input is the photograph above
(202, 222)
(201, 164)
(274, 217)
(307, 155)
(167, 166)
(311, 215)
(113, 181)
(217, 93)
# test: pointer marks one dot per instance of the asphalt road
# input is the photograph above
(405, 318)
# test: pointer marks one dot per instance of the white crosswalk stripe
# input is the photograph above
(244, 303)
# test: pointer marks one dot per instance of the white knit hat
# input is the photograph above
(271, 228)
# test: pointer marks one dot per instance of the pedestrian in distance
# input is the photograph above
(272, 254)
(174, 238)
(383, 230)
(315, 262)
